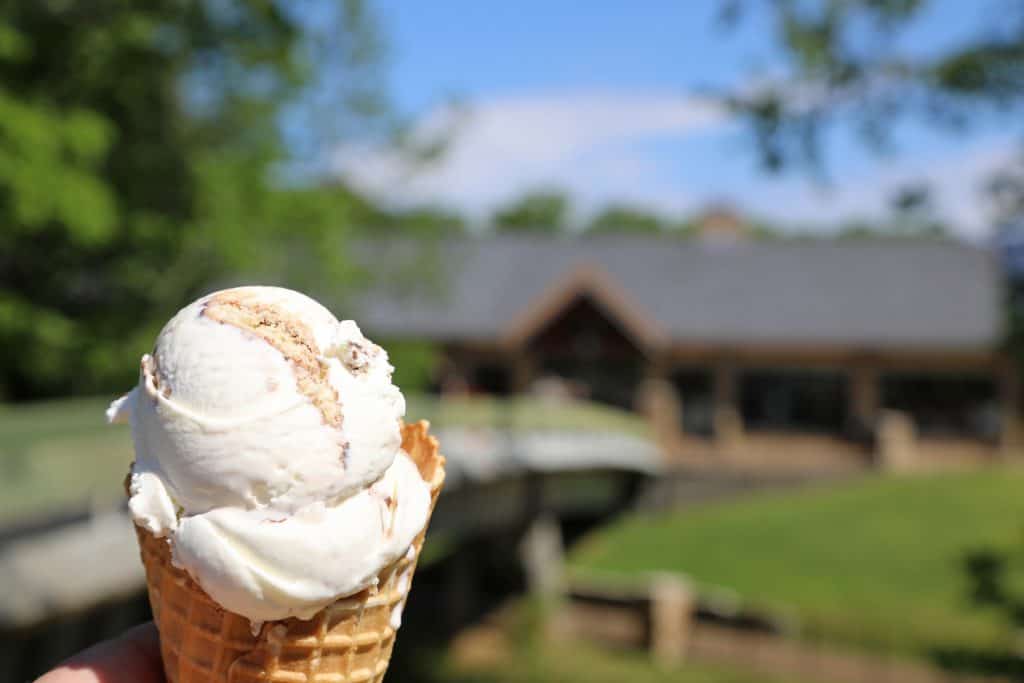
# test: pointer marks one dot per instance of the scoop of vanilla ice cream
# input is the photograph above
(268, 450)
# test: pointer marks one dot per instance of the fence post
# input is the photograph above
(542, 554)
(543, 557)
(671, 618)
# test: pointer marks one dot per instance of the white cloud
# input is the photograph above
(588, 143)
(956, 181)
(582, 141)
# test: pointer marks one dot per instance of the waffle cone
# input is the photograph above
(349, 641)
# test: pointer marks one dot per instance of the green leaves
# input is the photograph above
(87, 136)
(35, 336)
(136, 147)
(989, 70)
(848, 65)
(13, 45)
(541, 211)
(626, 219)
(49, 165)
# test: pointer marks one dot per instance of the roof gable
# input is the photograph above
(593, 282)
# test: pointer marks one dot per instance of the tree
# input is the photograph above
(1006, 188)
(844, 66)
(538, 212)
(136, 141)
(625, 219)
(426, 221)
(914, 212)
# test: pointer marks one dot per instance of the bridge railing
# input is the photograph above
(487, 439)
(523, 413)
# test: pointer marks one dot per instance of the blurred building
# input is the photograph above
(753, 339)
(1010, 243)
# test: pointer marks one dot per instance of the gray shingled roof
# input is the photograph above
(865, 293)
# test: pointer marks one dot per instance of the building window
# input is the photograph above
(798, 400)
(695, 390)
(591, 352)
(945, 405)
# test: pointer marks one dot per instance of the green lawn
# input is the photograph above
(875, 563)
(58, 455)
(577, 663)
(62, 454)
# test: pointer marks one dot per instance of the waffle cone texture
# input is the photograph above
(349, 641)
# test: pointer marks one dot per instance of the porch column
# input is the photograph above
(523, 370)
(865, 397)
(658, 401)
(728, 422)
(896, 447)
(455, 371)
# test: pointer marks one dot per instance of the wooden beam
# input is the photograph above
(838, 356)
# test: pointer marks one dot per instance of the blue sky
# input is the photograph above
(604, 99)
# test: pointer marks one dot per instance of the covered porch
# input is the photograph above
(784, 408)
(792, 407)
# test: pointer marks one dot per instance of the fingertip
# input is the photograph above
(144, 636)
(145, 639)
(133, 657)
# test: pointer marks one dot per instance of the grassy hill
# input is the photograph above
(58, 455)
(877, 563)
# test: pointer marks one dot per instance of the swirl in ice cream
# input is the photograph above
(268, 453)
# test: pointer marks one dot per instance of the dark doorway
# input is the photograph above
(584, 346)
(492, 378)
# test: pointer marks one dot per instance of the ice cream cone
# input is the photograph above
(347, 642)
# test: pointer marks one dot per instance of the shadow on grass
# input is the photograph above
(989, 586)
(979, 662)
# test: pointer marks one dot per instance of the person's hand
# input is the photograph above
(133, 657)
